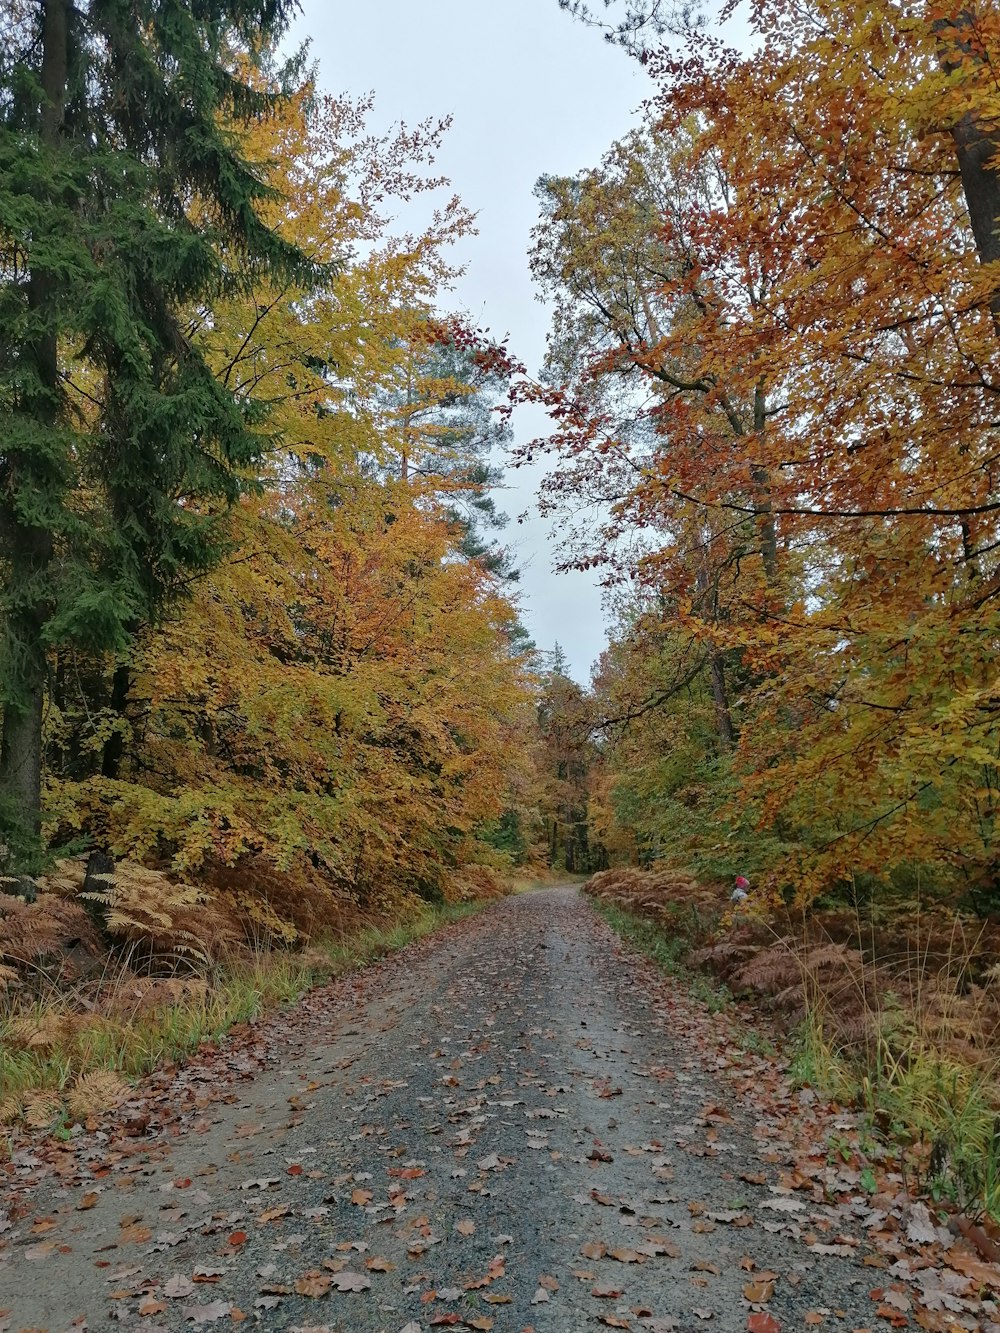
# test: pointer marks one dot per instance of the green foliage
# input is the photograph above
(507, 835)
(125, 205)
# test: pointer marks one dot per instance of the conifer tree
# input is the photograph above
(126, 204)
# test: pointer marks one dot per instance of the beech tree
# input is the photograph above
(341, 705)
(125, 201)
(857, 159)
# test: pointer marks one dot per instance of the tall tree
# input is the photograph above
(125, 202)
(867, 733)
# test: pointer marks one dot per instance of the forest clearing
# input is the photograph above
(296, 797)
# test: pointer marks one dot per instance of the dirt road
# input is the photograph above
(511, 1126)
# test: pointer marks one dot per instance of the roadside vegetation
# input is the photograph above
(894, 1013)
(70, 1050)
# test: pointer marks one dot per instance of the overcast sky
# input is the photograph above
(532, 92)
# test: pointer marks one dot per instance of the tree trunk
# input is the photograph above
(114, 746)
(716, 665)
(21, 756)
(723, 717)
(31, 545)
(977, 145)
(762, 502)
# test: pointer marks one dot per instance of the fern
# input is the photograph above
(143, 906)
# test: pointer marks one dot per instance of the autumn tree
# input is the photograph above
(340, 707)
(567, 756)
(837, 267)
(124, 201)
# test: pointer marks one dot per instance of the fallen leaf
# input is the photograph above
(206, 1314)
(758, 1292)
(314, 1284)
(920, 1228)
(134, 1234)
(606, 1289)
(87, 1201)
(466, 1227)
(348, 1281)
(361, 1197)
(763, 1323)
(177, 1287)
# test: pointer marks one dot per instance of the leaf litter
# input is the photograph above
(401, 1142)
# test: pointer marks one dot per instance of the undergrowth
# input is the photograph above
(59, 1064)
(896, 1017)
(941, 1113)
(667, 950)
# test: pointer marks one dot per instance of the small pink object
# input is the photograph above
(742, 882)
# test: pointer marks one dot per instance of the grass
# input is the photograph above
(667, 950)
(48, 1048)
(941, 1113)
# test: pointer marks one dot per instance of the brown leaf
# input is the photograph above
(87, 1201)
(314, 1284)
(593, 1249)
(376, 1264)
(606, 1289)
(206, 1314)
(134, 1235)
(348, 1281)
(626, 1256)
(758, 1292)
(978, 1238)
(361, 1197)
(763, 1323)
(466, 1227)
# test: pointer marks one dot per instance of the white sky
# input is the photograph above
(532, 92)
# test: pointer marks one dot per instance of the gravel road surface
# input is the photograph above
(514, 1125)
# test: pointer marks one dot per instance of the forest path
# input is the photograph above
(513, 1125)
